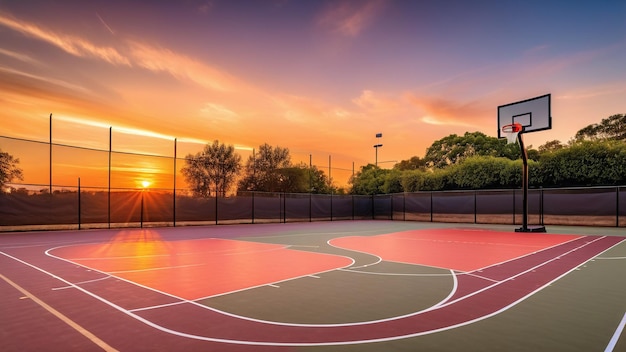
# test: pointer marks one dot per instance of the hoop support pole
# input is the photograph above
(525, 227)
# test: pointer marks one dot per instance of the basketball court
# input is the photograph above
(368, 285)
(327, 286)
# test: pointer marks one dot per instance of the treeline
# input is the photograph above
(595, 156)
(217, 169)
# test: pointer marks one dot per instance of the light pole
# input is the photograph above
(145, 185)
(377, 145)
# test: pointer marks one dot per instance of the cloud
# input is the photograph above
(437, 111)
(180, 66)
(70, 44)
(350, 18)
(53, 81)
(19, 56)
(105, 24)
(595, 91)
(133, 53)
(376, 102)
(218, 113)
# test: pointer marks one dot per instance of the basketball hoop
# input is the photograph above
(511, 131)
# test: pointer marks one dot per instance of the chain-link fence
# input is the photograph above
(67, 186)
(591, 206)
(109, 183)
(98, 208)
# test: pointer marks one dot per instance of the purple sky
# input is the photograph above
(318, 77)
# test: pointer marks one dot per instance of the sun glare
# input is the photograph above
(145, 184)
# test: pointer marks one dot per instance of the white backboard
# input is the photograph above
(533, 114)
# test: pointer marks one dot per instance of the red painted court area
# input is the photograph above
(457, 249)
(194, 269)
(494, 271)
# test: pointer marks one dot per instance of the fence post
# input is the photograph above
(50, 154)
(253, 207)
(513, 206)
(475, 210)
(141, 215)
(617, 206)
(541, 205)
(352, 198)
(174, 196)
(431, 206)
(331, 188)
(109, 191)
(284, 208)
(79, 203)
(310, 187)
(404, 206)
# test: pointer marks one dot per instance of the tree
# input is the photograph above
(262, 170)
(320, 183)
(480, 172)
(610, 128)
(550, 146)
(415, 163)
(369, 180)
(454, 149)
(216, 166)
(8, 169)
(303, 179)
(392, 181)
(413, 180)
(585, 163)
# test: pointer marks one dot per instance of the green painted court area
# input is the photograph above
(321, 286)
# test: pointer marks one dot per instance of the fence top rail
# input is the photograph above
(578, 188)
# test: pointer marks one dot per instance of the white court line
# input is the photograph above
(529, 254)
(616, 335)
(349, 270)
(351, 250)
(88, 334)
(157, 306)
(152, 269)
(82, 282)
(480, 277)
(259, 343)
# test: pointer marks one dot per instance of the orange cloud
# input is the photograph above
(19, 56)
(181, 67)
(437, 111)
(376, 102)
(53, 81)
(70, 44)
(218, 113)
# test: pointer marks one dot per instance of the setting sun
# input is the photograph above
(145, 184)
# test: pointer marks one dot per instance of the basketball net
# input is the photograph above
(511, 131)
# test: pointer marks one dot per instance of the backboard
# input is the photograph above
(533, 114)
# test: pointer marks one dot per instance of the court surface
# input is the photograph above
(321, 286)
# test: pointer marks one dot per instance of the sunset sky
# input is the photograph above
(317, 77)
